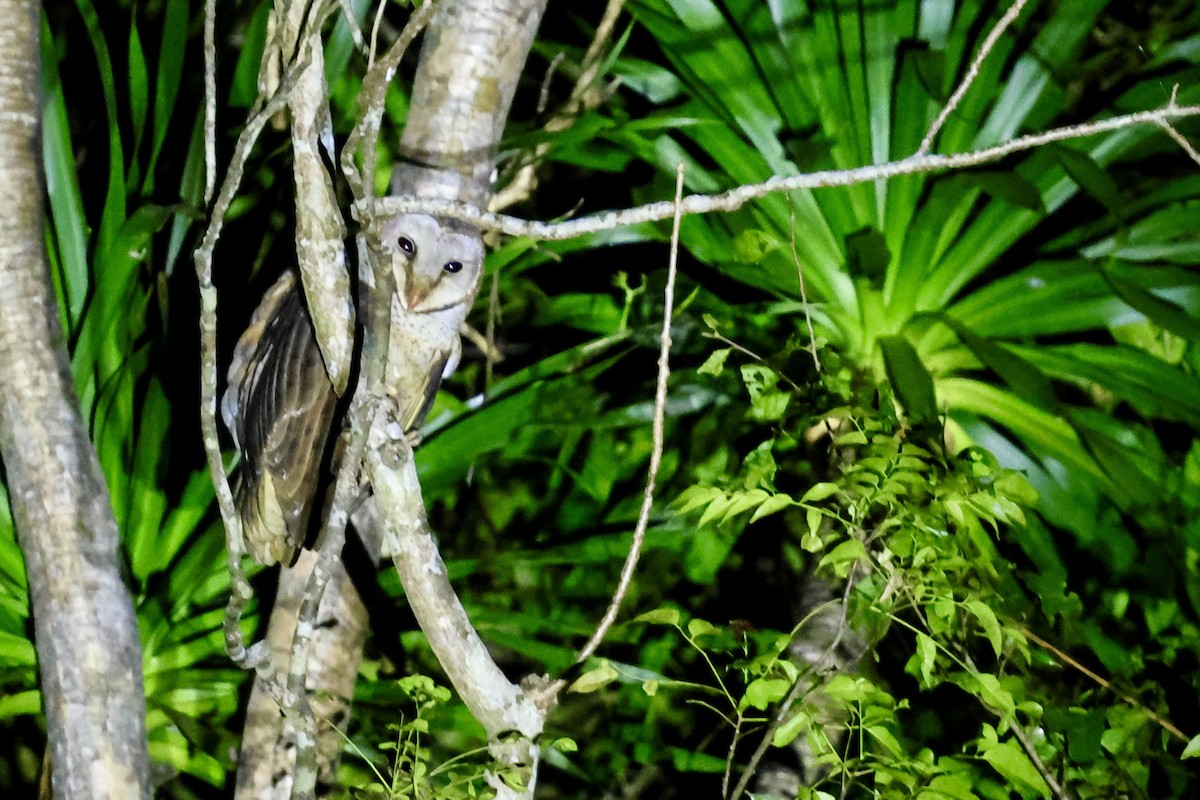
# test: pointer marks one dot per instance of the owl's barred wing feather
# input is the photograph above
(279, 406)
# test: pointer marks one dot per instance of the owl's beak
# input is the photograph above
(412, 293)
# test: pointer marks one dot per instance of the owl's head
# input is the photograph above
(437, 262)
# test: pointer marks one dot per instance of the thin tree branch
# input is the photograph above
(581, 99)
(736, 198)
(365, 134)
(1165, 724)
(1056, 788)
(210, 98)
(1182, 141)
(985, 50)
(812, 334)
(660, 405)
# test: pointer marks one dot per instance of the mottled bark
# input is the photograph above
(471, 60)
(84, 624)
(470, 64)
(268, 753)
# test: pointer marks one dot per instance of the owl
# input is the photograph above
(436, 264)
(280, 404)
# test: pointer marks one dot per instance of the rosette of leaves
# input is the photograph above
(1044, 305)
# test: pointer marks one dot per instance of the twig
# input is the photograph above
(544, 92)
(985, 50)
(493, 353)
(725, 340)
(1166, 724)
(1055, 787)
(256, 657)
(736, 198)
(208, 373)
(375, 33)
(595, 51)
(356, 34)
(733, 743)
(1181, 140)
(210, 98)
(812, 336)
(660, 405)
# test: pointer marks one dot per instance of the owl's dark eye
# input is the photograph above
(453, 267)
(406, 245)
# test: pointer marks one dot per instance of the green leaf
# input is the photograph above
(1016, 372)
(773, 504)
(844, 556)
(1090, 177)
(788, 731)
(660, 616)
(1192, 750)
(167, 79)
(1011, 187)
(139, 86)
(819, 491)
(925, 658)
(909, 378)
(20, 703)
(988, 622)
(1008, 759)
(761, 693)
(751, 246)
(1162, 312)
(715, 363)
(767, 402)
(594, 679)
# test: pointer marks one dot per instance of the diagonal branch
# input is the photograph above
(734, 199)
(985, 50)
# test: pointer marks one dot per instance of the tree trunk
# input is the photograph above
(471, 60)
(84, 625)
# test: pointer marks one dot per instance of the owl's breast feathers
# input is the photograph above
(422, 350)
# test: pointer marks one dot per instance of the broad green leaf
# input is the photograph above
(909, 378)
(715, 363)
(786, 733)
(773, 504)
(1008, 759)
(819, 491)
(761, 693)
(1091, 177)
(1020, 375)
(1162, 312)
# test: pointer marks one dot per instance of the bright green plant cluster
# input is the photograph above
(914, 537)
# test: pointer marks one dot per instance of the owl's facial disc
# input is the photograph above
(435, 265)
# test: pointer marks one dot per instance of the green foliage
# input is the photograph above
(994, 463)
(917, 535)
(411, 773)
